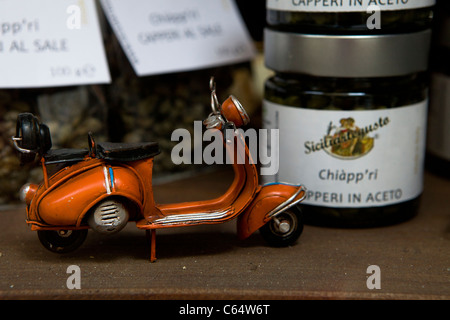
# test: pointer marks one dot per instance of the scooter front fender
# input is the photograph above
(271, 200)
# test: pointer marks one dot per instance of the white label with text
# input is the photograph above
(346, 5)
(161, 36)
(50, 43)
(351, 158)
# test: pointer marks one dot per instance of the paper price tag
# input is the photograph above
(162, 36)
(50, 43)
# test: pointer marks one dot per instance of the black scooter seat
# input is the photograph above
(118, 151)
(65, 155)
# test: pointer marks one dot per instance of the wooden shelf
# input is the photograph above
(209, 262)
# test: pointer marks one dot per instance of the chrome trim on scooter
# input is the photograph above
(193, 217)
(215, 105)
(23, 191)
(15, 139)
(107, 180)
(214, 121)
(287, 204)
(241, 110)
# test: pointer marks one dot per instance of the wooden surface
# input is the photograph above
(211, 263)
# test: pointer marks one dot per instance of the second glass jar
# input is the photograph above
(351, 114)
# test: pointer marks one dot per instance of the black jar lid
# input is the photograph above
(358, 56)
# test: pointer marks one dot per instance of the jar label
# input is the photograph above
(439, 116)
(350, 158)
(346, 5)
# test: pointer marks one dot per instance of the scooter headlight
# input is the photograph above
(27, 192)
(233, 111)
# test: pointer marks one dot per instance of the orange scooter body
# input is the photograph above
(75, 190)
(108, 185)
(224, 208)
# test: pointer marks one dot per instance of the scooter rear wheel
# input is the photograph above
(62, 241)
(284, 229)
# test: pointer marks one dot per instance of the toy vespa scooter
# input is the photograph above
(109, 184)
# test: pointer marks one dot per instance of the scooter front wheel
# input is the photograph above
(62, 241)
(284, 229)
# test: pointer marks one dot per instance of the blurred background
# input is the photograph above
(132, 108)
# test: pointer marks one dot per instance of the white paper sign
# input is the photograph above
(50, 43)
(162, 36)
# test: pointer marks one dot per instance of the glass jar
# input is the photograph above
(349, 16)
(438, 143)
(351, 115)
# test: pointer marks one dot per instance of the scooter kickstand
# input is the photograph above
(151, 237)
